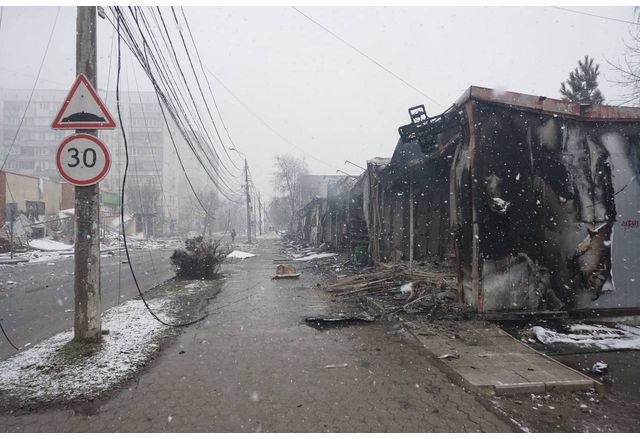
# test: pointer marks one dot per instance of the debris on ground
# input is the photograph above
(394, 279)
(286, 276)
(285, 272)
(600, 368)
(590, 336)
(237, 254)
(448, 356)
(313, 256)
(428, 289)
(338, 319)
(336, 366)
(46, 244)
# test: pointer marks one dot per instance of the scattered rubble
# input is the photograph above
(286, 272)
(428, 290)
(338, 319)
(313, 256)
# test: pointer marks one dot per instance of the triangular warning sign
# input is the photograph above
(83, 109)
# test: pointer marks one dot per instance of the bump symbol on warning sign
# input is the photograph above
(83, 109)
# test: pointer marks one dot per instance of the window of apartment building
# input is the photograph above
(12, 108)
(8, 136)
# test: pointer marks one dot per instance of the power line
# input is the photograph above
(151, 57)
(195, 75)
(174, 107)
(188, 88)
(399, 78)
(265, 123)
(213, 98)
(7, 337)
(594, 15)
(124, 181)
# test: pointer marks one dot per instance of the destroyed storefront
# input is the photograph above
(314, 227)
(407, 196)
(544, 205)
(348, 226)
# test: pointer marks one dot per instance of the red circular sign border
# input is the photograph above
(93, 139)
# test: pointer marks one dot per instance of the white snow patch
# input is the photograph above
(316, 256)
(237, 254)
(46, 244)
(46, 372)
(592, 336)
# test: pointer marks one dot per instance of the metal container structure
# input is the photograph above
(545, 204)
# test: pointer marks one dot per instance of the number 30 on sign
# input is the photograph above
(83, 159)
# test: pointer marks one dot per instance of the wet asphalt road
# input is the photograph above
(39, 303)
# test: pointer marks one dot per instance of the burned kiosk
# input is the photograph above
(545, 203)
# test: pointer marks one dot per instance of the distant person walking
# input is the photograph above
(233, 235)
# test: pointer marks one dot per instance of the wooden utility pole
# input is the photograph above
(259, 213)
(88, 309)
(246, 179)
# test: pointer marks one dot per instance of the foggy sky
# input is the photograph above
(332, 103)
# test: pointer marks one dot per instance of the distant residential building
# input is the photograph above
(29, 147)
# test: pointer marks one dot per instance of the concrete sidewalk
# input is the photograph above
(488, 358)
(253, 366)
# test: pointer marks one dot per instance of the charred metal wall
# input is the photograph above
(538, 200)
(389, 191)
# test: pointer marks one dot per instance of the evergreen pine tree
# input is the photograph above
(582, 85)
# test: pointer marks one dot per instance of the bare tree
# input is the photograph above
(210, 201)
(278, 212)
(144, 202)
(629, 67)
(287, 178)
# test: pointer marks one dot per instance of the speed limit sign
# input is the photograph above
(83, 159)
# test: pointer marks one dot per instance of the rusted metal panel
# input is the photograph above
(547, 105)
(547, 194)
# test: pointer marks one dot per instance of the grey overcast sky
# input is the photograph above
(322, 96)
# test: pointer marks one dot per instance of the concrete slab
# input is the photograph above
(485, 356)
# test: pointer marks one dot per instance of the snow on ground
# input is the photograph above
(54, 371)
(316, 256)
(592, 336)
(46, 244)
(237, 254)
